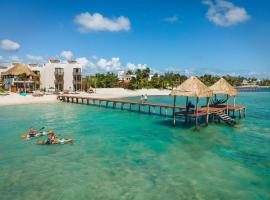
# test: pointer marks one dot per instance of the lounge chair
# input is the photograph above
(37, 93)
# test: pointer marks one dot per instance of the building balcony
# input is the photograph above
(77, 81)
(77, 73)
(59, 81)
(59, 73)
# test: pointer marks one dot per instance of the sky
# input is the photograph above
(192, 37)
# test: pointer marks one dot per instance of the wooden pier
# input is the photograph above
(145, 107)
(218, 112)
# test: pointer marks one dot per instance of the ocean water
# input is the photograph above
(127, 155)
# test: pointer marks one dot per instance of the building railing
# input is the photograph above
(59, 81)
(77, 73)
(77, 81)
(59, 73)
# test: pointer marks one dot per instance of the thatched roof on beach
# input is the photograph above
(192, 87)
(223, 87)
(18, 69)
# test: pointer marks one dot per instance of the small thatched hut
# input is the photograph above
(18, 69)
(19, 76)
(223, 87)
(192, 87)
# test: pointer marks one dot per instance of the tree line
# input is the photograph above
(167, 80)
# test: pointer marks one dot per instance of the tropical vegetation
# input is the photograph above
(143, 79)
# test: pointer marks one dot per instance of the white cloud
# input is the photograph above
(83, 61)
(8, 60)
(8, 45)
(131, 66)
(97, 22)
(225, 13)
(109, 65)
(66, 54)
(34, 58)
(171, 19)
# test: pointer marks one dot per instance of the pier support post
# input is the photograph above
(196, 118)
(122, 106)
(240, 114)
(139, 107)
(186, 110)
(149, 109)
(77, 100)
(227, 104)
(67, 99)
(72, 100)
(207, 111)
(174, 101)
(160, 110)
(99, 103)
(87, 101)
(130, 106)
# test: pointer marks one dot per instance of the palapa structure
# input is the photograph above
(18, 69)
(192, 87)
(223, 87)
(12, 78)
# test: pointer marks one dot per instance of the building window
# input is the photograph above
(77, 70)
(76, 87)
(59, 87)
(59, 70)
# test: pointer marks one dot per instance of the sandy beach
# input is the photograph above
(16, 99)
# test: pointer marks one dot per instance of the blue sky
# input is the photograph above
(188, 36)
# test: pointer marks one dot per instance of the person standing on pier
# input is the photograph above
(145, 97)
(142, 98)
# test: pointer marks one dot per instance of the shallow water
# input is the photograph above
(126, 155)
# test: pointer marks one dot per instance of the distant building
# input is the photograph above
(122, 76)
(245, 82)
(150, 77)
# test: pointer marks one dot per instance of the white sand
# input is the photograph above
(15, 99)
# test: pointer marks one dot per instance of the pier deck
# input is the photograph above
(147, 107)
(140, 105)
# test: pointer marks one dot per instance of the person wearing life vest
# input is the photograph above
(51, 139)
(32, 132)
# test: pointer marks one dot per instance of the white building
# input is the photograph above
(54, 75)
(61, 76)
(120, 75)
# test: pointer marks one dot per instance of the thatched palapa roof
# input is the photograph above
(192, 87)
(18, 69)
(223, 87)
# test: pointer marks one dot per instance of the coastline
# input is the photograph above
(106, 93)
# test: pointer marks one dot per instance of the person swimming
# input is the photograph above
(51, 139)
(32, 132)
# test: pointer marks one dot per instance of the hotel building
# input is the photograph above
(54, 75)
(61, 76)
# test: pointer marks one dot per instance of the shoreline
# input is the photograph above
(106, 93)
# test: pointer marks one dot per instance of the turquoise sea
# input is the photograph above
(127, 155)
